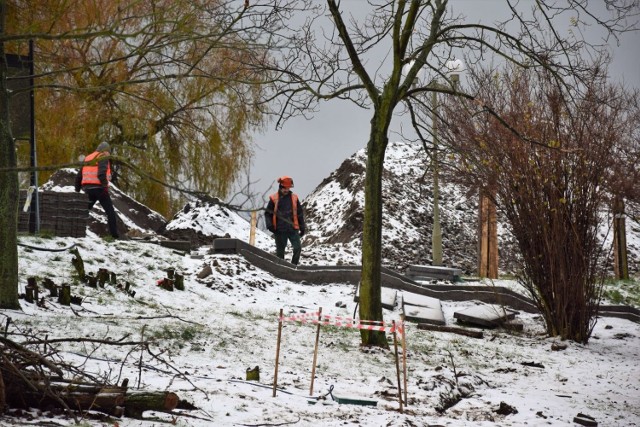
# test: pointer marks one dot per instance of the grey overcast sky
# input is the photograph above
(309, 150)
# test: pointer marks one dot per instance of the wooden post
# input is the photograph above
(487, 238)
(252, 232)
(315, 352)
(395, 346)
(275, 374)
(620, 260)
(404, 357)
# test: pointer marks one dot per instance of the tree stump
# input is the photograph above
(31, 292)
(92, 281)
(205, 272)
(166, 284)
(179, 282)
(65, 295)
(78, 264)
(51, 286)
(253, 374)
(103, 276)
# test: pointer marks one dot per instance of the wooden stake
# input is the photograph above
(395, 346)
(620, 261)
(404, 357)
(252, 232)
(487, 237)
(315, 352)
(275, 374)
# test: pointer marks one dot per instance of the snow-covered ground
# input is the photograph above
(205, 337)
(209, 334)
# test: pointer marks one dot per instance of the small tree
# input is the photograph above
(551, 156)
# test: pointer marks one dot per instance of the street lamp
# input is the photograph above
(454, 67)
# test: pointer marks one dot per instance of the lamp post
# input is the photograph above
(454, 67)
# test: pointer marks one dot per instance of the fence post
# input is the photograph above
(275, 374)
(315, 352)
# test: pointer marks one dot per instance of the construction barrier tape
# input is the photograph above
(344, 322)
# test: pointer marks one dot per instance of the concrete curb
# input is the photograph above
(319, 275)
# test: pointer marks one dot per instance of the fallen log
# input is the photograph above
(452, 329)
(138, 402)
(108, 400)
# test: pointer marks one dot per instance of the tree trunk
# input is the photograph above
(106, 401)
(138, 402)
(8, 191)
(43, 394)
(371, 281)
(3, 400)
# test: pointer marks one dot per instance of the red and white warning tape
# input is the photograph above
(344, 322)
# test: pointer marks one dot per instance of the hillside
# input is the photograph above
(200, 342)
(335, 214)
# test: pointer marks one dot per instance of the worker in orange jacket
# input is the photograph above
(285, 219)
(94, 178)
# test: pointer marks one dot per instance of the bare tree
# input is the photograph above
(552, 157)
(335, 56)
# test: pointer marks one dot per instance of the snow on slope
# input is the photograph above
(335, 211)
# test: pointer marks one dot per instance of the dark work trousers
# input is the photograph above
(99, 195)
(281, 244)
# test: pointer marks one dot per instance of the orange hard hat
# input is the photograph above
(285, 181)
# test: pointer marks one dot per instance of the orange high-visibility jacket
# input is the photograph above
(294, 208)
(90, 172)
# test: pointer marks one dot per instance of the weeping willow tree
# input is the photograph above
(165, 82)
(161, 81)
